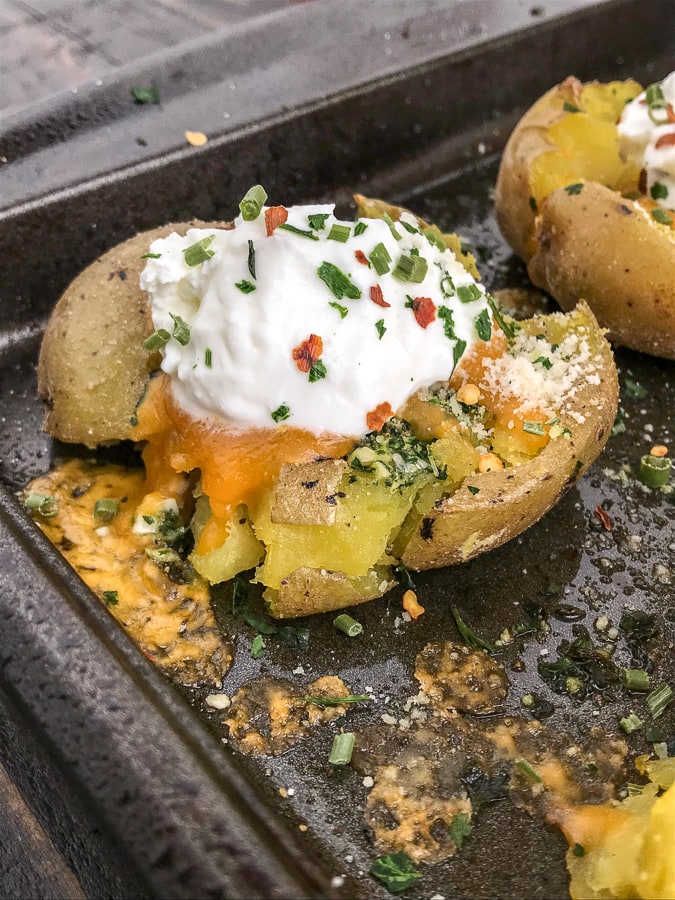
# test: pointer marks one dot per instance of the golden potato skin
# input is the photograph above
(93, 368)
(598, 245)
(511, 499)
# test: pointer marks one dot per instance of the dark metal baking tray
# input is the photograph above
(409, 101)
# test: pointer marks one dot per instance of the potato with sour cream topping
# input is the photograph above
(336, 397)
(586, 197)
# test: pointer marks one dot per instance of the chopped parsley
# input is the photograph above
(284, 226)
(395, 870)
(460, 828)
(661, 216)
(379, 325)
(341, 309)
(257, 647)
(576, 188)
(571, 108)
(318, 371)
(317, 221)
(245, 286)
(547, 364)
(483, 325)
(394, 456)
(281, 413)
(338, 283)
(445, 314)
(111, 597)
(658, 191)
(359, 228)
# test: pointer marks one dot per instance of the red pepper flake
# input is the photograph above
(275, 215)
(603, 518)
(642, 181)
(377, 297)
(376, 418)
(308, 352)
(666, 140)
(361, 257)
(424, 310)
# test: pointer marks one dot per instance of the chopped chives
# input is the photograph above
(198, 253)
(543, 361)
(447, 285)
(411, 268)
(630, 723)
(457, 352)
(434, 238)
(533, 428)
(106, 509)
(409, 228)
(253, 202)
(181, 330)
(469, 292)
(338, 283)
(208, 357)
(390, 222)
(157, 340)
(508, 326)
(342, 749)
(347, 625)
(336, 701)
(527, 769)
(635, 679)
(659, 698)
(246, 287)
(655, 470)
(301, 232)
(380, 259)
(341, 309)
(469, 637)
(46, 506)
(339, 233)
(359, 228)
(251, 259)
(151, 256)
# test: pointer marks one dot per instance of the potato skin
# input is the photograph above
(93, 368)
(596, 244)
(510, 500)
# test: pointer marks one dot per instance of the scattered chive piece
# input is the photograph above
(659, 191)
(409, 228)
(317, 221)
(659, 698)
(578, 850)
(630, 723)
(447, 285)
(359, 228)
(110, 597)
(347, 625)
(198, 253)
(251, 259)
(341, 309)
(299, 231)
(656, 101)
(469, 292)
(434, 238)
(661, 216)
(338, 283)
(411, 268)
(508, 327)
(576, 188)
(380, 259)
(257, 647)
(570, 107)
(208, 357)
(106, 509)
(524, 766)
(635, 679)
(336, 701)
(318, 371)
(253, 202)
(342, 749)
(460, 828)
(445, 315)
(546, 363)
(396, 871)
(245, 286)
(157, 340)
(281, 413)
(470, 638)
(340, 233)
(181, 330)
(46, 506)
(390, 222)
(473, 489)
(151, 256)
(145, 94)
(483, 325)
(380, 328)
(457, 352)
(655, 470)
(533, 428)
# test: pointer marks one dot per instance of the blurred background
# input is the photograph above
(47, 46)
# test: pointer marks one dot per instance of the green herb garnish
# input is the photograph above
(106, 509)
(630, 723)
(318, 371)
(445, 314)
(181, 330)
(483, 325)
(301, 232)
(635, 679)
(253, 202)
(157, 340)
(208, 357)
(469, 292)
(507, 325)
(341, 309)
(457, 352)
(390, 222)
(659, 698)
(336, 701)
(281, 413)
(460, 828)
(472, 489)
(151, 256)
(533, 428)
(656, 101)
(110, 597)
(145, 94)
(527, 769)
(359, 228)
(337, 282)
(257, 647)
(578, 850)
(395, 870)
(340, 233)
(659, 191)
(317, 221)
(245, 286)
(251, 259)
(661, 216)
(411, 268)
(379, 325)
(570, 108)
(196, 254)
(342, 749)
(655, 470)
(576, 188)
(380, 259)
(43, 504)
(347, 625)
(468, 636)
(547, 364)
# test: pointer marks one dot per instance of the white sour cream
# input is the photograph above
(639, 135)
(238, 364)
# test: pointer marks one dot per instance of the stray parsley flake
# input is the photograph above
(299, 231)
(281, 413)
(318, 371)
(359, 228)
(445, 314)
(380, 328)
(483, 325)
(110, 597)
(341, 309)
(257, 647)
(395, 870)
(317, 221)
(245, 286)
(338, 283)
(460, 828)
(658, 191)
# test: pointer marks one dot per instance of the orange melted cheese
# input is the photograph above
(237, 466)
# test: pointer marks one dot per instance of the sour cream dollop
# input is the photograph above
(647, 138)
(304, 326)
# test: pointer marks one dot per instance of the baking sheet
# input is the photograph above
(172, 812)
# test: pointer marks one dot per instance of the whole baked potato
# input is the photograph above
(463, 466)
(575, 206)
